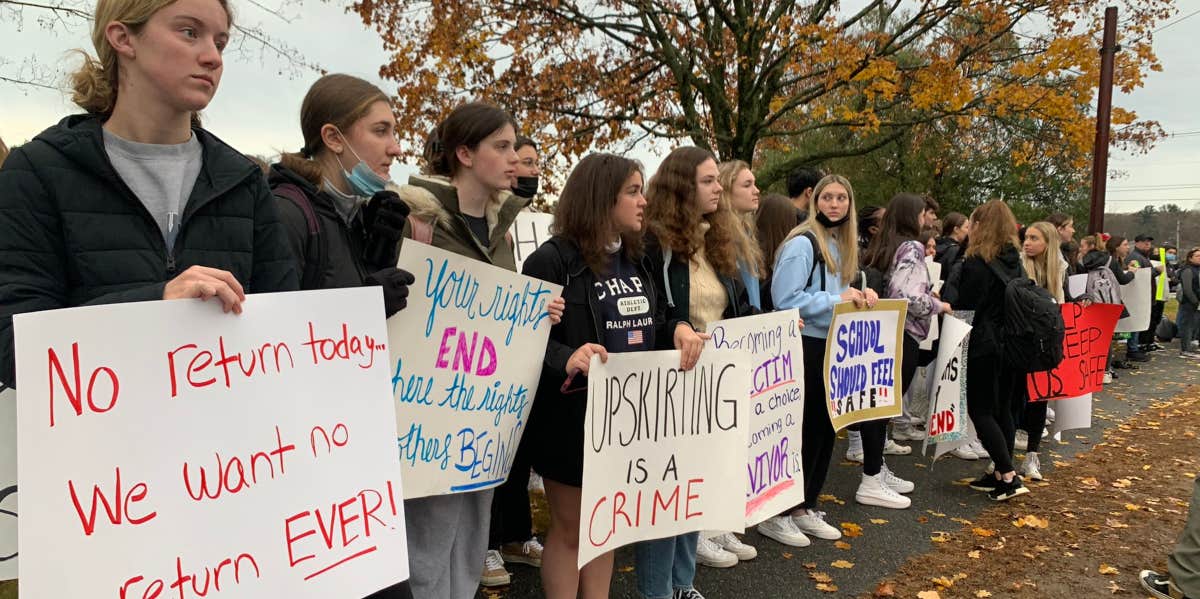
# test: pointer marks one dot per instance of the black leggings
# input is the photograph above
(874, 432)
(990, 406)
(817, 449)
(1033, 422)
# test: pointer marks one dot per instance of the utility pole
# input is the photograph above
(1108, 51)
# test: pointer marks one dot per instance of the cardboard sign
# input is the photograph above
(947, 418)
(172, 448)
(862, 362)
(774, 468)
(664, 450)
(1135, 295)
(8, 484)
(529, 232)
(466, 356)
(1086, 340)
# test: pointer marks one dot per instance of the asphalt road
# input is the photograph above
(779, 570)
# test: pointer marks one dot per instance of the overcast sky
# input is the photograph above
(257, 107)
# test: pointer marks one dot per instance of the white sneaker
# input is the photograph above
(1107, 377)
(908, 433)
(782, 529)
(980, 452)
(494, 574)
(1049, 415)
(729, 542)
(964, 452)
(854, 452)
(1022, 442)
(1031, 468)
(813, 524)
(535, 482)
(872, 491)
(893, 448)
(897, 484)
(710, 554)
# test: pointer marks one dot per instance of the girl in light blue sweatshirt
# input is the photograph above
(813, 271)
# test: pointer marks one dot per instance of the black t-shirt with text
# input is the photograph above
(625, 315)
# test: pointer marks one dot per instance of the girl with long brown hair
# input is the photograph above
(991, 385)
(774, 220)
(691, 248)
(612, 305)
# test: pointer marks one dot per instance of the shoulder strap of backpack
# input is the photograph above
(999, 273)
(818, 259)
(315, 255)
(421, 230)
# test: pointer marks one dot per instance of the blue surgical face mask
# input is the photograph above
(362, 180)
(1172, 258)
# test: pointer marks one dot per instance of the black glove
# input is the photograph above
(395, 284)
(384, 217)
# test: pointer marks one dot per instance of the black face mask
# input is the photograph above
(831, 224)
(526, 187)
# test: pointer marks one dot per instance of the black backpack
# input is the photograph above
(1033, 325)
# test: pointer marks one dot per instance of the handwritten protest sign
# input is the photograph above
(1134, 294)
(862, 362)
(1087, 337)
(466, 356)
(773, 464)
(529, 231)
(664, 449)
(947, 419)
(174, 449)
(8, 484)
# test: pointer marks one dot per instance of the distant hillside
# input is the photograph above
(1162, 224)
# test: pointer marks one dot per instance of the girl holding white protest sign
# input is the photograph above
(897, 252)
(991, 384)
(814, 271)
(691, 248)
(462, 204)
(138, 168)
(612, 305)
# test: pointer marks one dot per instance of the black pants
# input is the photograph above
(396, 591)
(1033, 421)
(874, 432)
(990, 405)
(511, 519)
(817, 449)
(1146, 337)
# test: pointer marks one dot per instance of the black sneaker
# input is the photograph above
(687, 594)
(1137, 357)
(987, 482)
(1160, 585)
(1007, 490)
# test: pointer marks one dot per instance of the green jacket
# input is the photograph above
(435, 201)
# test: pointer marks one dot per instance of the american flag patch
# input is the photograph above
(635, 337)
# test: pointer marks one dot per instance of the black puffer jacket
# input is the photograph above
(72, 233)
(342, 243)
(982, 291)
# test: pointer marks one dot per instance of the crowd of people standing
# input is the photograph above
(134, 200)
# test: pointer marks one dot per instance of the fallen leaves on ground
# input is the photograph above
(1107, 569)
(878, 521)
(982, 594)
(885, 589)
(843, 564)
(983, 532)
(851, 530)
(928, 595)
(842, 545)
(820, 577)
(826, 587)
(1031, 521)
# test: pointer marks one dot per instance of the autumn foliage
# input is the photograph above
(804, 79)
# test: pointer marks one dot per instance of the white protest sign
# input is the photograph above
(1073, 413)
(947, 418)
(466, 356)
(862, 362)
(1134, 294)
(664, 450)
(935, 275)
(8, 484)
(529, 232)
(773, 464)
(176, 449)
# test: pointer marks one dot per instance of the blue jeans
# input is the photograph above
(664, 565)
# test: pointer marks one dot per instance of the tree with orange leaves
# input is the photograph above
(739, 76)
